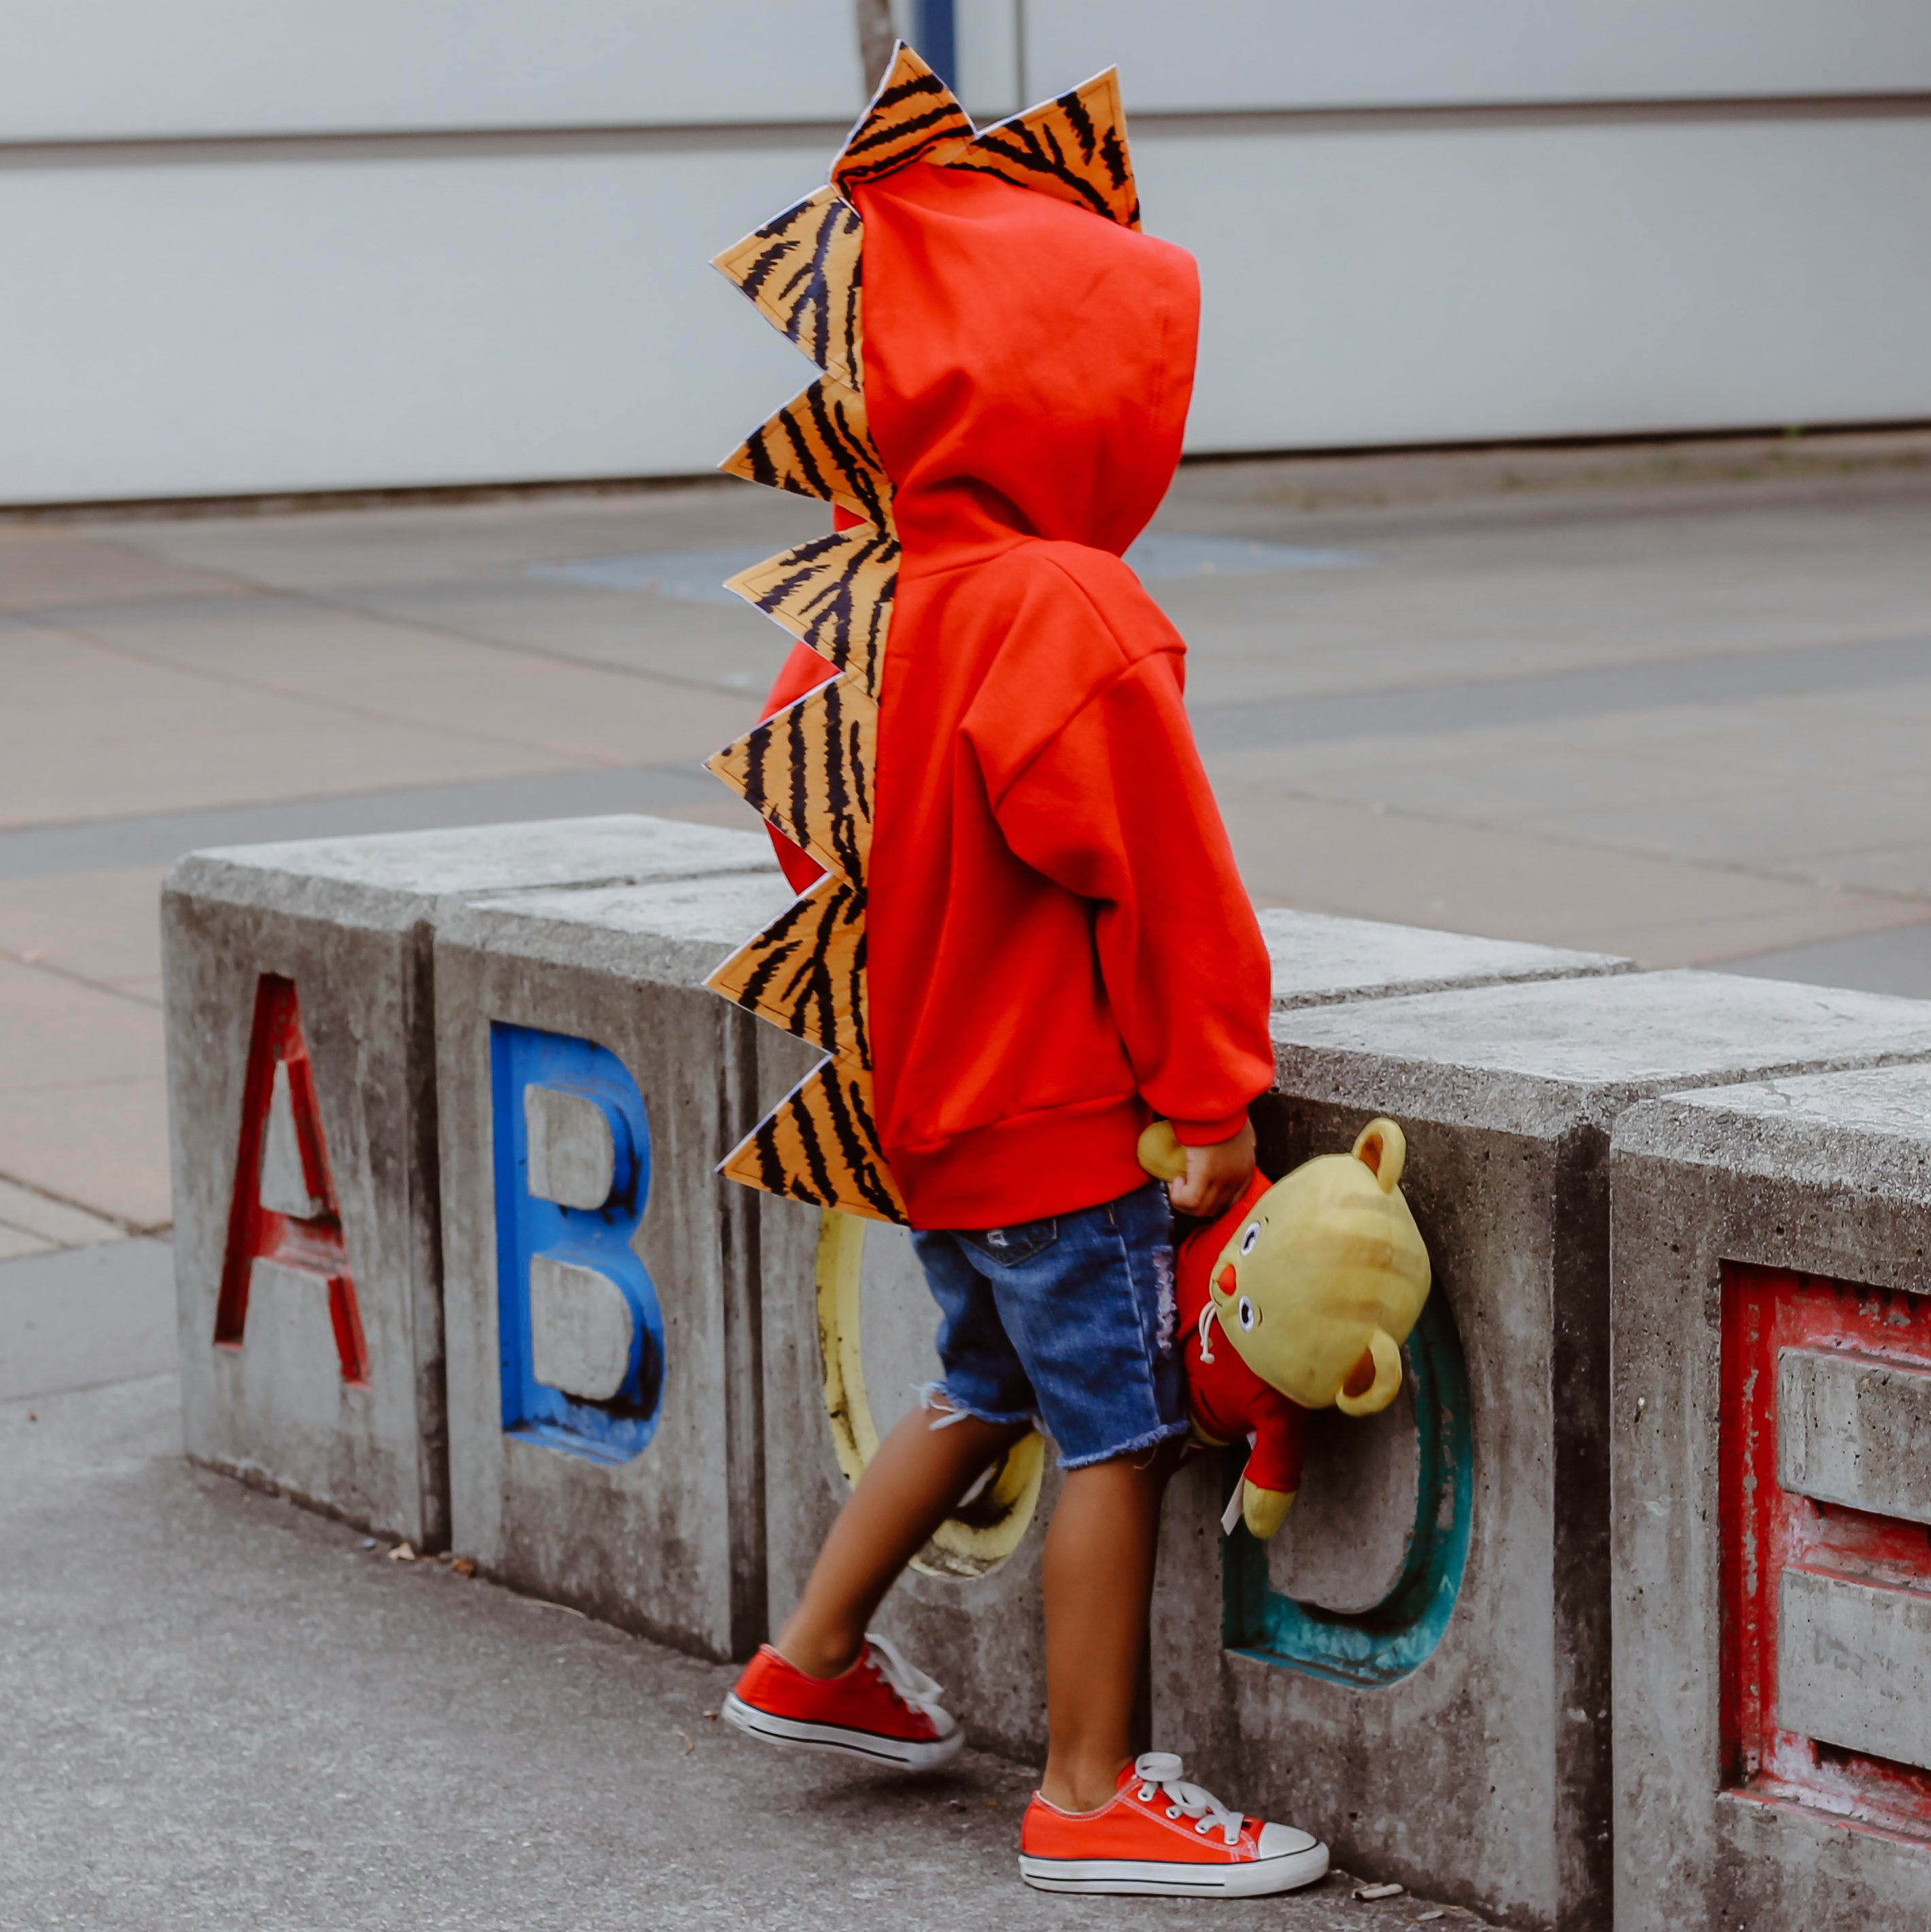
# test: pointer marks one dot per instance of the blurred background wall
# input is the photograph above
(274, 245)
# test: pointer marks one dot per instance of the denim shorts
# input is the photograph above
(1068, 1322)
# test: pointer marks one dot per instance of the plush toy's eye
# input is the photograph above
(1252, 1235)
(1246, 1314)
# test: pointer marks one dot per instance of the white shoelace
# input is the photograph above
(1160, 1771)
(910, 1685)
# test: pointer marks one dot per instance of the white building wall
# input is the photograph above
(339, 243)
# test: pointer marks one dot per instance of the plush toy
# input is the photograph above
(1299, 1296)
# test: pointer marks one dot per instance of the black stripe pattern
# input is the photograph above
(819, 445)
(806, 971)
(1073, 148)
(834, 593)
(912, 112)
(802, 268)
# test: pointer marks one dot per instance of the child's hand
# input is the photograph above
(1215, 1175)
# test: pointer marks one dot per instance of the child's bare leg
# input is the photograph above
(909, 1488)
(1098, 1584)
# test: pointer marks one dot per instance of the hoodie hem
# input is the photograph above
(1054, 1161)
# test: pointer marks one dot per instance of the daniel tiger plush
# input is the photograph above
(1299, 1296)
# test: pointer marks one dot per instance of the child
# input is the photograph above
(1060, 947)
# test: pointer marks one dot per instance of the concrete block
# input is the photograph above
(601, 1282)
(1772, 1398)
(1319, 960)
(849, 1332)
(301, 1070)
(1455, 1735)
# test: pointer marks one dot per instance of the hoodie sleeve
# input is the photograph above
(1116, 807)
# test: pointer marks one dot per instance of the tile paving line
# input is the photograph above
(1357, 521)
(159, 838)
(29, 1207)
(1457, 705)
(33, 962)
(56, 1221)
(119, 647)
(353, 600)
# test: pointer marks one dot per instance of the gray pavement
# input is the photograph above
(217, 1710)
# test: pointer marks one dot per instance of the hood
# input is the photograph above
(1028, 364)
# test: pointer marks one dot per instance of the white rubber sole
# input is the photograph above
(1255, 1878)
(803, 1736)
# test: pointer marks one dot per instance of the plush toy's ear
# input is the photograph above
(1161, 1153)
(1382, 1148)
(1376, 1379)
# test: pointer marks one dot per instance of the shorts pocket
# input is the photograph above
(1009, 1247)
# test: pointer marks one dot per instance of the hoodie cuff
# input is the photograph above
(1209, 1133)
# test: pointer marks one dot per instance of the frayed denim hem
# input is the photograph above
(937, 1396)
(1152, 1440)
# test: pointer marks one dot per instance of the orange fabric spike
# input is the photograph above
(1073, 148)
(914, 114)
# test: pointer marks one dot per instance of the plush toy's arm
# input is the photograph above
(1263, 1510)
(1274, 1473)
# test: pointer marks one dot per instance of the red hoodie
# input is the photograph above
(1059, 941)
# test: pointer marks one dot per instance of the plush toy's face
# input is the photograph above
(1322, 1282)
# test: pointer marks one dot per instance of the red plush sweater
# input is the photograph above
(1227, 1400)
(1059, 942)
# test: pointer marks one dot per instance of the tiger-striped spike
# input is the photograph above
(806, 971)
(808, 770)
(819, 445)
(801, 270)
(834, 593)
(913, 113)
(1074, 147)
(821, 1145)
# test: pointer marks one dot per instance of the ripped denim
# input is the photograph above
(1068, 1322)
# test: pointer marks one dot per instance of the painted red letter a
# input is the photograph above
(284, 1209)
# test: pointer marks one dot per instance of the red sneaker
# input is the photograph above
(1157, 1834)
(881, 1709)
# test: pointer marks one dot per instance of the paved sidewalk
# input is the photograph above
(217, 1710)
(1667, 701)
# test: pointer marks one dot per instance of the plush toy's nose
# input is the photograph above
(1229, 1280)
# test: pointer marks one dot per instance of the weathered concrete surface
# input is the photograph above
(1853, 1669)
(219, 1714)
(1829, 1177)
(1318, 959)
(667, 1540)
(1484, 1773)
(982, 1635)
(1854, 1433)
(347, 921)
